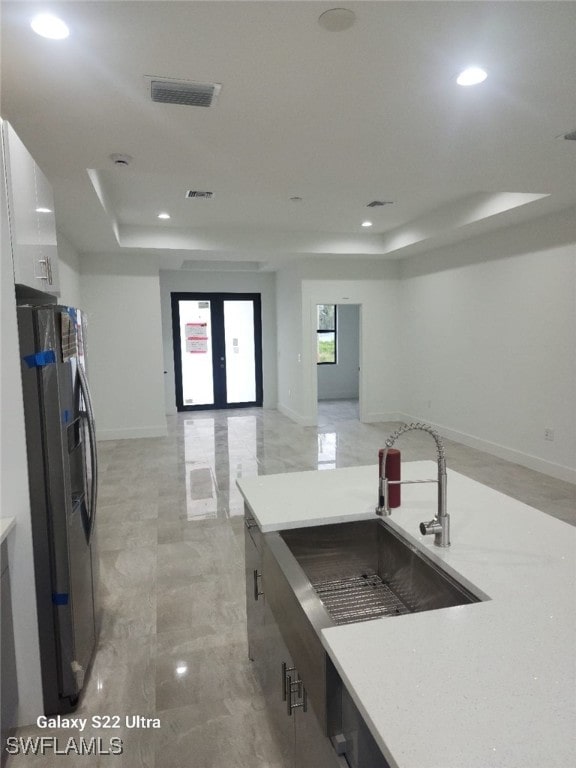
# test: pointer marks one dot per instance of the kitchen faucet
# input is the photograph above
(440, 525)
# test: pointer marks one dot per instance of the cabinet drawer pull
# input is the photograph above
(257, 591)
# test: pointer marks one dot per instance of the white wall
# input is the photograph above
(289, 341)
(121, 297)
(489, 342)
(69, 273)
(340, 381)
(221, 282)
(14, 498)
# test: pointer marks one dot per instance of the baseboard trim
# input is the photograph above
(293, 416)
(130, 434)
(371, 418)
(558, 471)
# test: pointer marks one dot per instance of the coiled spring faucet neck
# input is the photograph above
(418, 425)
(440, 525)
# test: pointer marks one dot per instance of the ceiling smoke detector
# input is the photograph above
(197, 194)
(119, 159)
(184, 92)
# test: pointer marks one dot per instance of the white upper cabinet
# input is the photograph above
(47, 229)
(31, 216)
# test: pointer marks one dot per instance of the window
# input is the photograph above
(326, 334)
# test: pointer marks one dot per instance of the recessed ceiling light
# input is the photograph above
(471, 76)
(366, 223)
(163, 215)
(46, 25)
(337, 19)
(43, 210)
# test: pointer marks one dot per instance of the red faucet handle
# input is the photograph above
(393, 471)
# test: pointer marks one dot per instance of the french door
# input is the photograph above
(217, 350)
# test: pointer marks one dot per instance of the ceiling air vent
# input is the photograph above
(570, 136)
(184, 92)
(378, 203)
(201, 195)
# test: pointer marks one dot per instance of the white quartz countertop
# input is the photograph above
(297, 499)
(6, 525)
(487, 685)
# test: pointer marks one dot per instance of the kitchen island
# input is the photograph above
(486, 685)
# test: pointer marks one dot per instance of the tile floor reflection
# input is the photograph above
(170, 532)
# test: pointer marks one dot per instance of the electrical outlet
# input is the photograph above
(548, 434)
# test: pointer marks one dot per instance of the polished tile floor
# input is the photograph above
(170, 531)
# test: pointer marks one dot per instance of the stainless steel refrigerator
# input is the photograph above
(62, 469)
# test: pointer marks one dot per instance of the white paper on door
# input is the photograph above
(196, 338)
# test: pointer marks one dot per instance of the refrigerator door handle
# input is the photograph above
(93, 453)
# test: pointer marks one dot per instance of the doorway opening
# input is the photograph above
(338, 362)
(217, 340)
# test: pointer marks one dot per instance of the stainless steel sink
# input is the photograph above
(315, 578)
(365, 570)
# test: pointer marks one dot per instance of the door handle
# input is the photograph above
(89, 415)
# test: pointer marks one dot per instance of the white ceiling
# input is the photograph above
(336, 118)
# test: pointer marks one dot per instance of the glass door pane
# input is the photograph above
(240, 351)
(196, 352)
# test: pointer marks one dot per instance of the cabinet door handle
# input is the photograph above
(285, 685)
(301, 693)
(257, 591)
(289, 706)
(45, 276)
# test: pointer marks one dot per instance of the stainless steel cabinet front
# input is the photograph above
(295, 726)
(254, 594)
